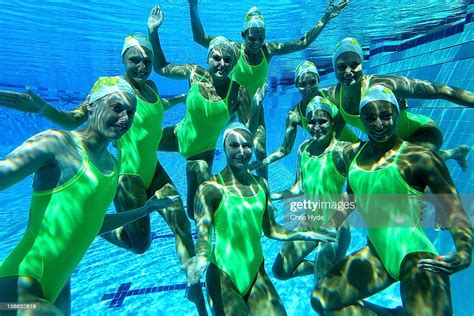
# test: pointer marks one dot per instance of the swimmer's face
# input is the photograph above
(138, 64)
(348, 68)
(320, 126)
(380, 120)
(113, 114)
(220, 61)
(254, 38)
(238, 148)
(307, 85)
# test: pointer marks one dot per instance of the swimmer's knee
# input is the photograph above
(140, 249)
(278, 269)
(140, 245)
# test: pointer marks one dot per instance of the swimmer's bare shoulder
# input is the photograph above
(209, 194)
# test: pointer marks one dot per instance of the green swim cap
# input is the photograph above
(378, 93)
(320, 103)
(108, 85)
(253, 18)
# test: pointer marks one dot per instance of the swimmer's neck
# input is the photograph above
(304, 101)
(140, 86)
(219, 82)
(94, 142)
(354, 89)
(241, 175)
(250, 55)
(380, 148)
(316, 148)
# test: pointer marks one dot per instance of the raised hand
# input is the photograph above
(335, 9)
(447, 264)
(25, 102)
(195, 267)
(155, 19)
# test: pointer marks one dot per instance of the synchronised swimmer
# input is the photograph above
(75, 178)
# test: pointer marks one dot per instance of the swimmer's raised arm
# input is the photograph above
(30, 102)
(296, 188)
(33, 154)
(332, 11)
(199, 35)
(404, 87)
(161, 66)
(278, 232)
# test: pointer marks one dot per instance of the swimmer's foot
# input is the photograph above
(194, 294)
(459, 154)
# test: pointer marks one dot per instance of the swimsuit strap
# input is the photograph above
(77, 139)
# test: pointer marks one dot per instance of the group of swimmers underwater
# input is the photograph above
(76, 178)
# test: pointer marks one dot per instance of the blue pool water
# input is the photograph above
(60, 48)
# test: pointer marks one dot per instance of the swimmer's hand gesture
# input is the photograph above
(158, 203)
(155, 19)
(25, 102)
(334, 10)
(447, 264)
(195, 267)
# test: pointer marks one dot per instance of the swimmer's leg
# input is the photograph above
(264, 298)
(329, 253)
(352, 279)
(424, 292)
(223, 296)
(198, 169)
(260, 145)
(290, 261)
(178, 222)
(430, 136)
(25, 290)
(136, 236)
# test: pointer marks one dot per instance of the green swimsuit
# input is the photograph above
(139, 144)
(237, 233)
(391, 209)
(203, 123)
(63, 223)
(251, 77)
(321, 181)
(408, 122)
